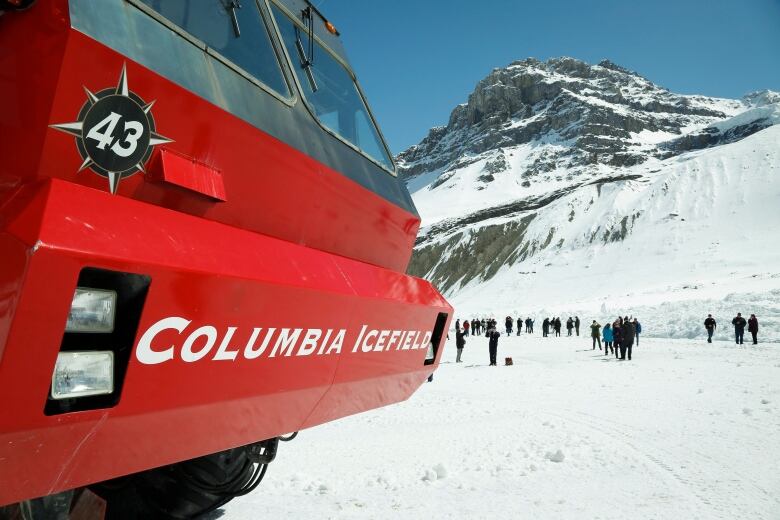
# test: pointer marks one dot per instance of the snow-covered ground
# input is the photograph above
(685, 430)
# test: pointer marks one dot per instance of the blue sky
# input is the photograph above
(416, 60)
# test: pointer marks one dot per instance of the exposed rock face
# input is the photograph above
(534, 132)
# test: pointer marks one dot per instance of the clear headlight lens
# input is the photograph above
(79, 374)
(92, 310)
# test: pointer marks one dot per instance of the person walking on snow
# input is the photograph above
(519, 325)
(557, 327)
(569, 326)
(577, 325)
(493, 336)
(628, 338)
(739, 328)
(753, 328)
(595, 333)
(466, 327)
(710, 325)
(460, 342)
(608, 338)
(637, 330)
(545, 327)
(508, 321)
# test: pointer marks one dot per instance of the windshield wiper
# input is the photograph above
(230, 7)
(307, 61)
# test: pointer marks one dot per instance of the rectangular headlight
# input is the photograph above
(92, 310)
(431, 354)
(79, 374)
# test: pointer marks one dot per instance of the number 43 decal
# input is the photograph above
(135, 130)
(115, 132)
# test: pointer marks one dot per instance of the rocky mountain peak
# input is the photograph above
(535, 133)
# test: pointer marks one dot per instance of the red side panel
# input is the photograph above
(208, 274)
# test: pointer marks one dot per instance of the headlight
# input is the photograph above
(78, 374)
(92, 310)
(431, 354)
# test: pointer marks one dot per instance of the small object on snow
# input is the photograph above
(764, 401)
(508, 361)
(558, 456)
(747, 411)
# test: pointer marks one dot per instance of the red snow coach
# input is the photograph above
(203, 245)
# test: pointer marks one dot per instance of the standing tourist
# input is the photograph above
(460, 342)
(753, 328)
(739, 328)
(628, 338)
(608, 338)
(595, 333)
(493, 336)
(709, 325)
(617, 334)
(637, 330)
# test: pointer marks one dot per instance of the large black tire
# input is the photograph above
(187, 489)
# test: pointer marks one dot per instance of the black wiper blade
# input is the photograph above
(307, 61)
(230, 7)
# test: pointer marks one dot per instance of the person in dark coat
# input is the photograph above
(595, 333)
(628, 338)
(508, 322)
(739, 328)
(637, 330)
(557, 327)
(460, 342)
(457, 324)
(753, 328)
(519, 325)
(569, 326)
(493, 336)
(710, 324)
(577, 325)
(617, 334)
(466, 327)
(482, 326)
(545, 327)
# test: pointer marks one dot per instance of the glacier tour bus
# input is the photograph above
(203, 245)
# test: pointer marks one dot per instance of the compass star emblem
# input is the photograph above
(115, 132)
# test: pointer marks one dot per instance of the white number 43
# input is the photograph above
(103, 133)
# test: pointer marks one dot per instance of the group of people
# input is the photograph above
(739, 324)
(476, 327)
(619, 336)
(554, 325)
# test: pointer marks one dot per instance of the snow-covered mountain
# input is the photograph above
(563, 187)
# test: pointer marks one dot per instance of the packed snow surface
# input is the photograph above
(685, 430)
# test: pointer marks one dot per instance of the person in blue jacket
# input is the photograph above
(637, 330)
(608, 338)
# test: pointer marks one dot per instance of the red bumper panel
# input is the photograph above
(243, 337)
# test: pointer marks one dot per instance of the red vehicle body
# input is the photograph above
(233, 229)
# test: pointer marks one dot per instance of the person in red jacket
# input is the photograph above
(753, 328)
